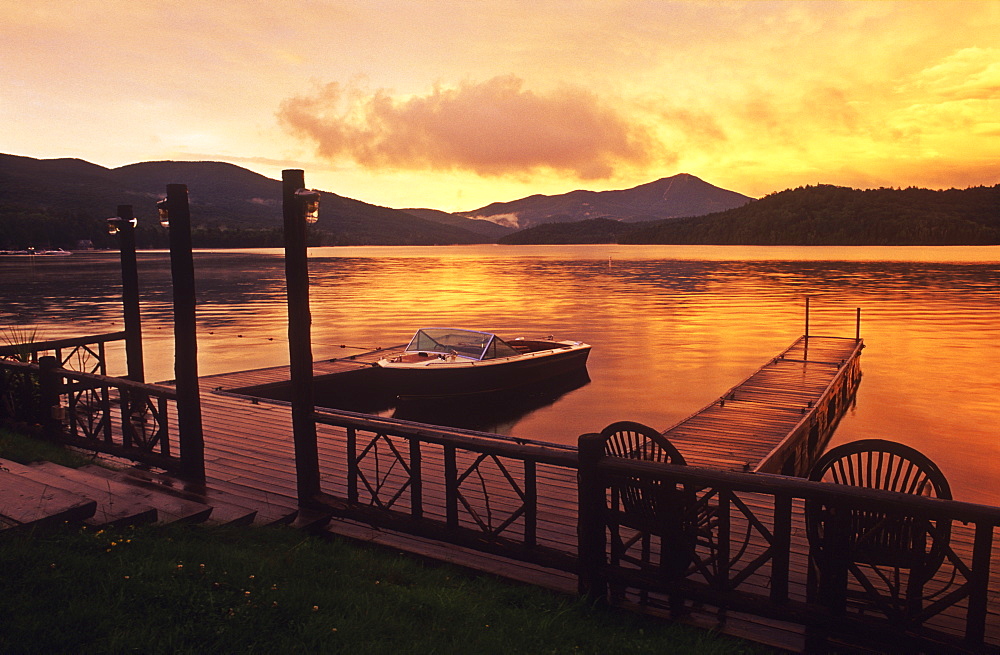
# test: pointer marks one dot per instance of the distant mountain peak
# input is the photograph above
(669, 197)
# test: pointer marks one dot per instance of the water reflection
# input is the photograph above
(672, 327)
(497, 413)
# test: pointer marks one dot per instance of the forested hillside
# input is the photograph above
(831, 215)
(54, 203)
(596, 230)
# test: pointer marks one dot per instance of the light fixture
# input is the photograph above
(161, 207)
(310, 204)
(115, 224)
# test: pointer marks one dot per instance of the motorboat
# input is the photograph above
(440, 362)
(31, 252)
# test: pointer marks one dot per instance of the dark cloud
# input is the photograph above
(492, 128)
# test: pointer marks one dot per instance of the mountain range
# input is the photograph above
(49, 203)
(227, 197)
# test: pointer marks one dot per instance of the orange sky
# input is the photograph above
(455, 104)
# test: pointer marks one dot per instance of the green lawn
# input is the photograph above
(198, 589)
(276, 590)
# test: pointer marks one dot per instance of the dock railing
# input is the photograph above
(86, 354)
(63, 387)
(472, 489)
(555, 506)
(751, 554)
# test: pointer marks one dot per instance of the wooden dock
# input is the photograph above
(762, 424)
(767, 423)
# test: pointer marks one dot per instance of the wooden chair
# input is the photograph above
(890, 555)
(648, 508)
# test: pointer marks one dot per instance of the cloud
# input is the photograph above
(968, 74)
(492, 128)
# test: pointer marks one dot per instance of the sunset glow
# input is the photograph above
(453, 105)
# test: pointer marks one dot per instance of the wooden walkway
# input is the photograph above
(750, 423)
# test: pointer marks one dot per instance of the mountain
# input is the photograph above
(486, 228)
(670, 197)
(230, 205)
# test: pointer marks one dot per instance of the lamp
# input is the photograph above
(310, 204)
(164, 211)
(116, 223)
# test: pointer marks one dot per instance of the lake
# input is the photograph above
(672, 327)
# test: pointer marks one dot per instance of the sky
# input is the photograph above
(454, 105)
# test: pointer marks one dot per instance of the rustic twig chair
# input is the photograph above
(648, 508)
(890, 555)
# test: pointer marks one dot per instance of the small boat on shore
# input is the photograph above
(440, 362)
(31, 252)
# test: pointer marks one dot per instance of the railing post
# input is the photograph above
(451, 486)
(192, 439)
(781, 545)
(416, 479)
(49, 383)
(975, 626)
(352, 464)
(530, 503)
(592, 498)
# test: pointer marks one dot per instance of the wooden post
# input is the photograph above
(807, 317)
(299, 338)
(48, 392)
(130, 294)
(192, 439)
(857, 326)
(805, 350)
(592, 498)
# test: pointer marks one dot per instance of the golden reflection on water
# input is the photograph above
(671, 327)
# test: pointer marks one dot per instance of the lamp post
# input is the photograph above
(299, 207)
(176, 216)
(124, 226)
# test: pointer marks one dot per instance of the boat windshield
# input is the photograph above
(464, 343)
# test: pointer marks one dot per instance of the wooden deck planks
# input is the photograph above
(737, 431)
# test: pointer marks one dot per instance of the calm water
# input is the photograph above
(672, 327)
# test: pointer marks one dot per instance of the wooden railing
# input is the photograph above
(118, 416)
(472, 489)
(556, 507)
(85, 354)
(747, 550)
(93, 411)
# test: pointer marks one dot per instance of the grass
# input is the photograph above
(24, 449)
(275, 590)
(197, 589)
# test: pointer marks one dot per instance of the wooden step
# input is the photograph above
(113, 507)
(27, 504)
(227, 509)
(119, 503)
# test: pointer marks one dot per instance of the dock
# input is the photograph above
(510, 507)
(758, 424)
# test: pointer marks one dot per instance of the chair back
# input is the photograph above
(881, 538)
(648, 504)
(632, 440)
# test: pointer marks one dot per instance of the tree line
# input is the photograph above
(831, 215)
